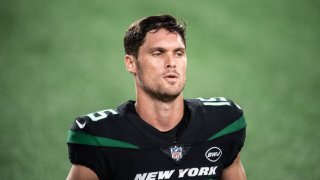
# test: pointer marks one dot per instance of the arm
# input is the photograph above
(78, 172)
(235, 171)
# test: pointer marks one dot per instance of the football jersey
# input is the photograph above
(118, 144)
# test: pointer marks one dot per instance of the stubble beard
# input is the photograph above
(158, 92)
(162, 95)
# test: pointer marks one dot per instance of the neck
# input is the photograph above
(162, 115)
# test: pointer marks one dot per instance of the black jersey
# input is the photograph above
(118, 144)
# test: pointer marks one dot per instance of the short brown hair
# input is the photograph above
(136, 33)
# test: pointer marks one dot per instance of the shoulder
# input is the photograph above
(97, 121)
(217, 106)
(87, 135)
(88, 123)
(85, 129)
(102, 128)
(219, 115)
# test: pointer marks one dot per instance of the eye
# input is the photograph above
(179, 53)
(156, 53)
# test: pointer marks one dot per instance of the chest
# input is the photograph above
(197, 161)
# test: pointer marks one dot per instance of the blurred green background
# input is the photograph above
(60, 59)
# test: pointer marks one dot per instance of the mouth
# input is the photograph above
(171, 76)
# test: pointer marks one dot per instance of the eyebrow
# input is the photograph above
(156, 49)
(163, 49)
(180, 49)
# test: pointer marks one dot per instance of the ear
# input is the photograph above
(130, 63)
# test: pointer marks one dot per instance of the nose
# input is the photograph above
(170, 62)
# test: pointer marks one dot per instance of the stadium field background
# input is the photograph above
(60, 59)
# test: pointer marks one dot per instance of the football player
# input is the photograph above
(159, 135)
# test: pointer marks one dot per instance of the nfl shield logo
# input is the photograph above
(176, 153)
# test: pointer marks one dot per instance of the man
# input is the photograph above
(160, 135)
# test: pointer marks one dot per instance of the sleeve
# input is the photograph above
(83, 149)
(238, 137)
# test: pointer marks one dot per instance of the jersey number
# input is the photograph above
(216, 101)
(96, 116)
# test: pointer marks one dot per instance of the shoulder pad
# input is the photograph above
(94, 129)
(99, 115)
(214, 101)
(222, 103)
(83, 123)
(228, 114)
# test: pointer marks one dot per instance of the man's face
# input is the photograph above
(161, 65)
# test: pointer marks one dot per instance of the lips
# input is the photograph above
(171, 75)
(171, 78)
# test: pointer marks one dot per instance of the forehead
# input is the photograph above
(163, 38)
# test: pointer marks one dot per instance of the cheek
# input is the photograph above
(153, 69)
(148, 71)
(183, 66)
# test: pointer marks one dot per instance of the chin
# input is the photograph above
(169, 96)
(166, 93)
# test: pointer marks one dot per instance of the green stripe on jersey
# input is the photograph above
(233, 127)
(87, 139)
